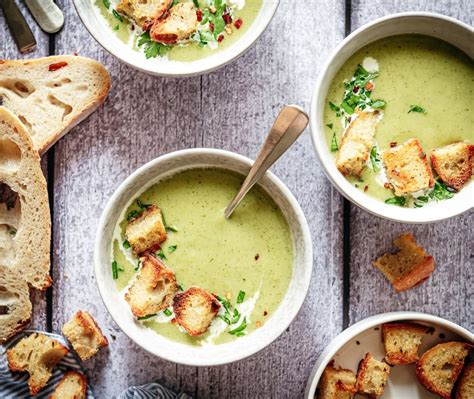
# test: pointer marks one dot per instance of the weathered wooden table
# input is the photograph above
(232, 108)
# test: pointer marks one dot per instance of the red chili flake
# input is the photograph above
(366, 188)
(369, 86)
(211, 26)
(57, 65)
(75, 53)
(132, 27)
(393, 144)
(220, 38)
(199, 14)
(386, 185)
(238, 23)
(355, 89)
(227, 19)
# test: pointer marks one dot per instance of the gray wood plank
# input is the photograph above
(9, 50)
(145, 117)
(449, 292)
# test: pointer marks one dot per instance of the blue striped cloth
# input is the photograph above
(15, 385)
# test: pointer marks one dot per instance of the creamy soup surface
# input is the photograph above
(412, 70)
(250, 252)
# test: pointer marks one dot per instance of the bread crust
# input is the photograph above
(15, 70)
(465, 388)
(364, 370)
(178, 24)
(336, 383)
(455, 366)
(140, 11)
(58, 394)
(397, 357)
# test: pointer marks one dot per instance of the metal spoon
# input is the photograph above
(288, 126)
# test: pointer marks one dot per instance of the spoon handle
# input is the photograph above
(288, 126)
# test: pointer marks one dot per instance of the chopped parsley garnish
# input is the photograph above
(116, 27)
(180, 287)
(167, 312)
(374, 159)
(146, 317)
(114, 270)
(421, 201)
(400, 201)
(378, 104)
(330, 125)
(136, 213)
(239, 331)
(240, 297)
(172, 248)
(151, 48)
(334, 146)
(161, 254)
(142, 205)
(138, 265)
(133, 214)
(417, 108)
(106, 3)
(12, 232)
(126, 244)
(167, 227)
(196, 3)
(117, 15)
(441, 191)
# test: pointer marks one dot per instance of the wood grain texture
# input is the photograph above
(145, 117)
(449, 292)
(9, 50)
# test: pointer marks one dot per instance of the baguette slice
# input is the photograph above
(465, 389)
(440, 366)
(336, 383)
(25, 223)
(37, 354)
(51, 95)
(402, 341)
(372, 376)
(71, 386)
(15, 304)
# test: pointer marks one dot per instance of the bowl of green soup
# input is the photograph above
(189, 285)
(391, 117)
(176, 37)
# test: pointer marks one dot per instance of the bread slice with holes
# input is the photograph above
(453, 163)
(407, 168)
(25, 223)
(440, 366)
(143, 13)
(15, 303)
(336, 383)
(84, 335)
(51, 95)
(372, 376)
(36, 354)
(73, 385)
(465, 388)
(408, 267)
(356, 143)
(402, 341)
(195, 309)
(177, 25)
(147, 231)
(153, 288)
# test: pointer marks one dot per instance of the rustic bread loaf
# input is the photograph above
(465, 389)
(36, 354)
(372, 376)
(71, 386)
(453, 163)
(84, 335)
(15, 308)
(440, 366)
(336, 383)
(25, 224)
(153, 289)
(51, 95)
(410, 266)
(195, 309)
(177, 25)
(402, 341)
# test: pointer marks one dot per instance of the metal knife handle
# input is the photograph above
(20, 30)
(47, 14)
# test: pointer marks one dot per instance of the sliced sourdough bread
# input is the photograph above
(402, 341)
(51, 95)
(25, 223)
(15, 304)
(72, 386)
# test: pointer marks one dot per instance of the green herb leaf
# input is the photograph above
(239, 329)
(441, 191)
(400, 201)
(12, 232)
(172, 248)
(378, 104)
(116, 27)
(333, 106)
(152, 49)
(421, 201)
(225, 319)
(417, 108)
(329, 125)
(146, 317)
(142, 205)
(138, 265)
(117, 15)
(334, 146)
(180, 287)
(374, 159)
(167, 312)
(196, 3)
(106, 3)
(161, 254)
(168, 228)
(132, 215)
(114, 270)
(126, 244)
(241, 296)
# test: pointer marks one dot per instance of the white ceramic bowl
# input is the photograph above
(101, 31)
(435, 25)
(240, 348)
(349, 347)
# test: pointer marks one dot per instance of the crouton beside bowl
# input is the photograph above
(131, 312)
(377, 134)
(380, 356)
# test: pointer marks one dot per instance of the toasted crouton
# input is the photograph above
(194, 310)
(153, 289)
(372, 376)
(336, 383)
(143, 13)
(465, 389)
(439, 367)
(407, 168)
(356, 143)
(84, 335)
(71, 386)
(410, 266)
(453, 163)
(36, 354)
(402, 341)
(177, 25)
(147, 231)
